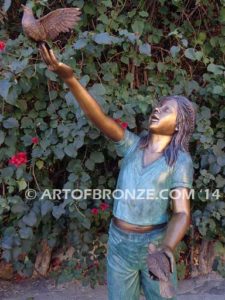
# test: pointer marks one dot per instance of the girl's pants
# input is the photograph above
(127, 271)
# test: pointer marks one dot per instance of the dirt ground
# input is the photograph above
(211, 286)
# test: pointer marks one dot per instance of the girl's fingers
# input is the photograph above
(171, 258)
(46, 54)
(43, 56)
(53, 58)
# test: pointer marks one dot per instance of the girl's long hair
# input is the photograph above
(185, 122)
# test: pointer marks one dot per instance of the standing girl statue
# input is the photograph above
(142, 237)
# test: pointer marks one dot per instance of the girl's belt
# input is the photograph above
(135, 228)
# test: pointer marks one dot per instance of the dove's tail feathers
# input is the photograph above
(167, 290)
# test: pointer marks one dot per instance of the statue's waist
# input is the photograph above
(136, 228)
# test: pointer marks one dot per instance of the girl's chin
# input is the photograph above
(154, 124)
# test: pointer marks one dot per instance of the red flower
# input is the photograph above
(104, 206)
(96, 263)
(35, 140)
(18, 159)
(2, 46)
(122, 124)
(94, 211)
(117, 120)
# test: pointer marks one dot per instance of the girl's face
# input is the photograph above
(163, 118)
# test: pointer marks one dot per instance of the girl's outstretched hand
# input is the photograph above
(64, 71)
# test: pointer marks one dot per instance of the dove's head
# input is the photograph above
(152, 248)
(26, 9)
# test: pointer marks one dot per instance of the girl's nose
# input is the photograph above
(156, 110)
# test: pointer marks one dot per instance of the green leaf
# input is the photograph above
(6, 172)
(220, 181)
(102, 38)
(18, 66)
(174, 50)
(19, 208)
(138, 27)
(2, 137)
(6, 5)
(10, 123)
(59, 153)
(97, 89)
(13, 95)
(216, 69)
(70, 150)
(84, 80)
(39, 164)
(80, 44)
(104, 238)
(86, 223)
(89, 164)
(30, 219)
(22, 184)
(190, 53)
(4, 88)
(70, 100)
(58, 211)
(97, 157)
(46, 207)
(25, 84)
(217, 89)
(222, 15)
(7, 242)
(143, 14)
(7, 255)
(26, 233)
(107, 3)
(51, 75)
(145, 49)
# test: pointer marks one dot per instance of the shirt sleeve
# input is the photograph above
(183, 172)
(125, 145)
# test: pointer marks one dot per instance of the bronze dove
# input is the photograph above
(159, 268)
(50, 25)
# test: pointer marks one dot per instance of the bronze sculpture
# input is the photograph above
(51, 25)
(164, 123)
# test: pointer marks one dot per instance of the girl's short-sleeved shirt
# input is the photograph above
(142, 193)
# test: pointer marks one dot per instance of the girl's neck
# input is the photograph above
(157, 142)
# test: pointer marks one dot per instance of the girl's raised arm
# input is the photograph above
(87, 103)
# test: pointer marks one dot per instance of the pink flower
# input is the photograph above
(2, 46)
(94, 211)
(104, 206)
(35, 140)
(18, 159)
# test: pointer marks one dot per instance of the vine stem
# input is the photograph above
(35, 179)
(79, 211)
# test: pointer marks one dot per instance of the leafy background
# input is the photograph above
(127, 54)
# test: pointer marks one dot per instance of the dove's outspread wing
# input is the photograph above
(59, 20)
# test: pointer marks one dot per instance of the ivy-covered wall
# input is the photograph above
(127, 54)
